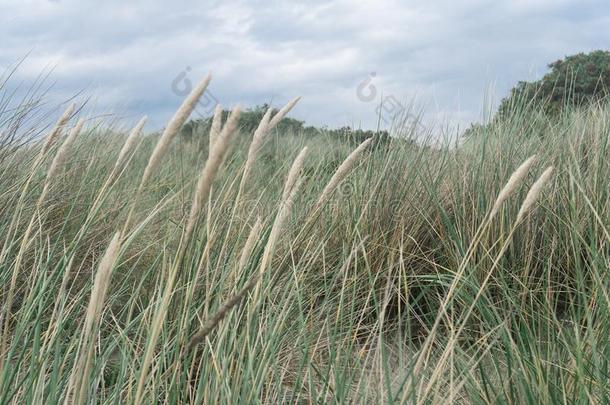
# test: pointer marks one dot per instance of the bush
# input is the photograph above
(577, 80)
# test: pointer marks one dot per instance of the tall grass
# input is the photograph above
(288, 269)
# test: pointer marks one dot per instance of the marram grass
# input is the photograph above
(278, 268)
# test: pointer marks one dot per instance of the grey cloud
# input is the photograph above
(442, 54)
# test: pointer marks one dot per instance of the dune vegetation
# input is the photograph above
(267, 267)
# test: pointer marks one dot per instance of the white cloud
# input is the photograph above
(443, 54)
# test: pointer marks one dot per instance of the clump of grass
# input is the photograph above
(412, 289)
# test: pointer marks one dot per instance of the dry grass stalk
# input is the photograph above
(54, 134)
(132, 138)
(50, 140)
(60, 156)
(56, 165)
(92, 319)
(225, 308)
(200, 196)
(173, 127)
(60, 159)
(278, 223)
(216, 125)
(257, 142)
(282, 112)
(294, 172)
(165, 141)
(530, 199)
(264, 127)
(513, 183)
(533, 194)
(342, 171)
(212, 164)
(221, 313)
(129, 144)
(249, 245)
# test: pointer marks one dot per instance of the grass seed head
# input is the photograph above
(173, 127)
(513, 183)
(294, 172)
(282, 112)
(534, 193)
(342, 171)
(216, 125)
(54, 134)
(132, 138)
(215, 158)
(62, 153)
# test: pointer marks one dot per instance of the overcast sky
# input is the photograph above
(445, 58)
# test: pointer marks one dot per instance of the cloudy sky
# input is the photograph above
(446, 58)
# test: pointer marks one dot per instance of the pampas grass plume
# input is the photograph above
(131, 140)
(173, 127)
(282, 112)
(342, 171)
(216, 126)
(60, 156)
(257, 142)
(249, 245)
(211, 166)
(534, 193)
(54, 134)
(513, 183)
(92, 318)
(294, 173)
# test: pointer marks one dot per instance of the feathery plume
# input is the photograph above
(257, 142)
(92, 318)
(200, 196)
(173, 127)
(211, 167)
(54, 134)
(342, 171)
(260, 134)
(282, 112)
(249, 245)
(265, 125)
(165, 140)
(60, 156)
(132, 138)
(216, 125)
(294, 172)
(513, 182)
(533, 194)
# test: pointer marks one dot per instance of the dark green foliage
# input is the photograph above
(198, 129)
(577, 80)
(573, 83)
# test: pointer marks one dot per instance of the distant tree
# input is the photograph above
(576, 80)
(196, 130)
